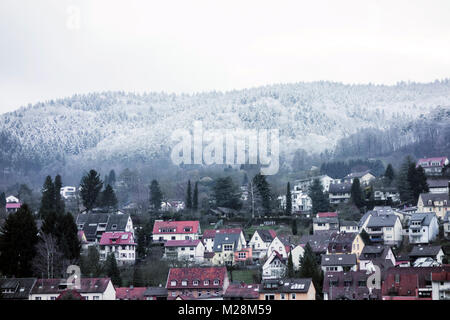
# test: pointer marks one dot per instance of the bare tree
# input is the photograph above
(48, 259)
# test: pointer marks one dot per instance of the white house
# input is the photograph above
(434, 252)
(280, 245)
(440, 284)
(364, 177)
(300, 200)
(423, 227)
(12, 199)
(260, 242)
(175, 230)
(90, 289)
(184, 250)
(386, 228)
(339, 262)
(432, 166)
(304, 184)
(446, 223)
(68, 192)
(297, 253)
(274, 267)
(325, 224)
(348, 226)
(121, 244)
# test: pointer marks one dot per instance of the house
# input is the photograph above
(210, 234)
(121, 244)
(365, 177)
(325, 224)
(184, 250)
(345, 243)
(439, 203)
(130, 293)
(68, 192)
(287, 289)
(225, 246)
(409, 283)
(223, 212)
(297, 253)
(351, 285)
(434, 252)
(197, 282)
(301, 202)
(12, 204)
(90, 289)
(172, 205)
(339, 262)
(340, 192)
(440, 285)
(304, 184)
(244, 256)
(16, 288)
(389, 194)
(348, 226)
(70, 294)
(95, 224)
(260, 242)
(446, 223)
(275, 266)
(379, 255)
(438, 185)
(156, 293)
(423, 228)
(318, 242)
(432, 166)
(385, 228)
(281, 245)
(242, 291)
(175, 230)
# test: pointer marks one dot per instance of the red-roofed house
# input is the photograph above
(12, 204)
(186, 250)
(440, 285)
(432, 166)
(210, 234)
(242, 291)
(130, 293)
(327, 215)
(175, 230)
(90, 289)
(121, 244)
(197, 282)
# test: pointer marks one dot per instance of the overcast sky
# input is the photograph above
(55, 48)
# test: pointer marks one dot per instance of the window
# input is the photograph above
(195, 282)
(242, 255)
(184, 283)
(216, 282)
(293, 296)
(227, 247)
(96, 298)
(114, 227)
(269, 297)
(37, 298)
(206, 283)
(282, 296)
(173, 283)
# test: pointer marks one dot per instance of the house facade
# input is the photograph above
(121, 244)
(423, 227)
(339, 192)
(351, 285)
(226, 245)
(275, 266)
(260, 242)
(210, 234)
(287, 289)
(385, 228)
(175, 230)
(365, 177)
(439, 203)
(280, 245)
(440, 285)
(339, 262)
(184, 250)
(432, 166)
(94, 225)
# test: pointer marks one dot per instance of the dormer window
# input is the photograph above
(184, 283)
(114, 227)
(216, 282)
(173, 283)
(206, 283)
(195, 282)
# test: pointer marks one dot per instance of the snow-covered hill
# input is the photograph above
(119, 126)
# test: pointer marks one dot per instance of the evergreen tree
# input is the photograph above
(141, 243)
(3, 200)
(245, 180)
(59, 202)
(309, 268)
(290, 267)
(18, 238)
(263, 192)
(48, 204)
(112, 177)
(112, 270)
(90, 264)
(403, 185)
(294, 227)
(155, 195)
(356, 194)
(50, 223)
(68, 237)
(288, 200)
(108, 198)
(226, 194)
(91, 185)
(189, 196)
(195, 197)
(389, 174)
(417, 181)
(319, 198)
(365, 237)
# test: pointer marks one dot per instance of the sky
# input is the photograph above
(56, 48)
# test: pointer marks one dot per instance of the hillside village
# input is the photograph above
(364, 236)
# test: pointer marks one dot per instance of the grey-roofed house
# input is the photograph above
(364, 177)
(339, 192)
(339, 262)
(156, 293)
(318, 241)
(380, 255)
(423, 227)
(287, 289)
(382, 228)
(95, 224)
(438, 185)
(434, 252)
(350, 285)
(225, 245)
(325, 224)
(348, 226)
(16, 288)
(439, 203)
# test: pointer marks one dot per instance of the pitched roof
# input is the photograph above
(341, 243)
(56, 286)
(130, 293)
(427, 162)
(387, 220)
(196, 274)
(286, 286)
(425, 251)
(338, 260)
(334, 284)
(442, 276)
(425, 218)
(21, 287)
(340, 188)
(266, 235)
(438, 182)
(434, 197)
(182, 243)
(211, 233)
(155, 292)
(344, 223)
(327, 214)
(184, 227)
(326, 220)
(225, 238)
(318, 241)
(117, 238)
(242, 290)
(357, 174)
